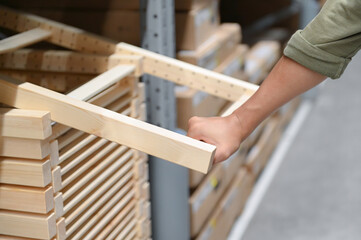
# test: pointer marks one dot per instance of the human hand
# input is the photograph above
(223, 132)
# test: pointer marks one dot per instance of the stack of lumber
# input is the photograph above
(85, 177)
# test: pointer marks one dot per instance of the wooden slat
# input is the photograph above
(102, 193)
(101, 82)
(107, 124)
(24, 148)
(26, 199)
(24, 123)
(121, 198)
(190, 75)
(23, 39)
(4, 237)
(27, 224)
(118, 222)
(25, 172)
(94, 184)
(66, 61)
(62, 35)
(130, 229)
(89, 163)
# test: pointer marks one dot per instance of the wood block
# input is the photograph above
(25, 172)
(27, 224)
(54, 153)
(24, 148)
(102, 122)
(26, 199)
(25, 123)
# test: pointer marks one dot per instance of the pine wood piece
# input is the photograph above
(190, 75)
(26, 199)
(129, 231)
(27, 224)
(136, 134)
(24, 123)
(24, 148)
(23, 39)
(67, 61)
(25, 172)
(101, 82)
(54, 153)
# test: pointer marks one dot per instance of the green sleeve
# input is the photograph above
(330, 40)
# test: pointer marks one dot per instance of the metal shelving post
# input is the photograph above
(169, 183)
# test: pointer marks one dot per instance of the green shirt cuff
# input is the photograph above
(314, 58)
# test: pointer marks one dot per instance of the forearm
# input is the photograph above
(287, 80)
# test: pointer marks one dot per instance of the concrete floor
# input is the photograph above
(316, 193)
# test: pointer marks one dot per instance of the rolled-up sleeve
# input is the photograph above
(330, 40)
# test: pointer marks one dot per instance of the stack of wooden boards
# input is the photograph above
(85, 183)
(60, 182)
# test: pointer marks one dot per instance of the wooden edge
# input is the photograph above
(235, 105)
(86, 117)
(59, 205)
(54, 153)
(25, 123)
(137, 61)
(56, 179)
(23, 39)
(190, 75)
(61, 229)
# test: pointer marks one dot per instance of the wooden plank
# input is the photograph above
(25, 172)
(61, 229)
(190, 75)
(67, 61)
(24, 148)
(58, 205)
(62, 35)
(56, 179)
(26, 199)
(107, 124)
(24, 123)
(101, 82)
(27, 224)
(23, 39)
(4, 237)
(130, 229)
(102, 193)
(54, 153)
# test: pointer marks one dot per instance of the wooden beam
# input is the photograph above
(24, 123)
(23, 39)
(190, 75)
(27, 224)
(67, 61)
(62, 35)
(25, 172)
(101, 82)
(26, 199)
(24, 148)
(107, 124)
